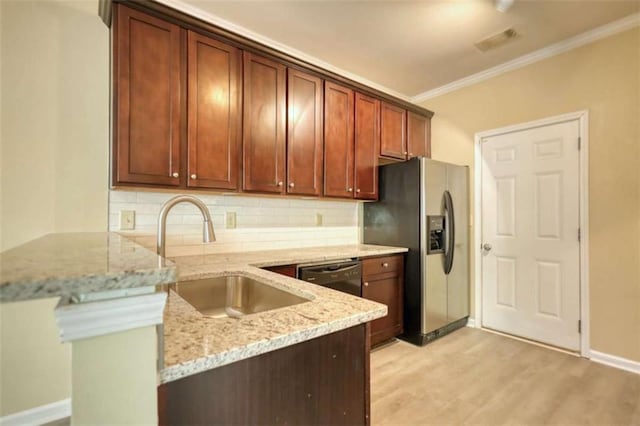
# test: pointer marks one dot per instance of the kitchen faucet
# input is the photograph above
(207, 232)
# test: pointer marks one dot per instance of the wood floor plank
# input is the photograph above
(472, 377)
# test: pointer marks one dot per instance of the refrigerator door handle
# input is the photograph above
(450, 224)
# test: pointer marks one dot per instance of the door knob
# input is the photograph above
(486, 247)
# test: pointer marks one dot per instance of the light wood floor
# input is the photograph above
(473, 377)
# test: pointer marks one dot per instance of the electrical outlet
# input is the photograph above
(230, 220)
(127, 220)
(318, 219)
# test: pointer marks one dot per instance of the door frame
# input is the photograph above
(583, 121)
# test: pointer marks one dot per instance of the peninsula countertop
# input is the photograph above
(195, 343)
(72, 264)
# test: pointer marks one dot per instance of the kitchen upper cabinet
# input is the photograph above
(147, 99)
(214, 113)
(264, 124)
(338, 141)
(393, 131)
(304, 133)
(383, 282)
(418, 135)
(367, 146)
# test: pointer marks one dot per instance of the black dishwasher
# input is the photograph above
(343, 276)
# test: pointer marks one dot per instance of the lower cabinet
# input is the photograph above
(288, 270)
(383, 282)
(321, 381)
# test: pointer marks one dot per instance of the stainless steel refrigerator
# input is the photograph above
(424, 206)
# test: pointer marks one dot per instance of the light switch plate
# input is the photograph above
(127, 220)
(230, 220)
(318, 219)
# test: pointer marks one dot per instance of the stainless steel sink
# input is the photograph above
(234, 296)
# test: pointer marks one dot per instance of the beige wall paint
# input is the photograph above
(604, 78)
(112, 361)
(54, 132)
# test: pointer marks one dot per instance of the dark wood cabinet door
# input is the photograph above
(393, 131)
(383, 282)
(338, 141)
(214, 113)
(367, 146)
(288, 270)
(147, 101)
(418, 135)
(264, 129)
(304, 133)
(385, 291)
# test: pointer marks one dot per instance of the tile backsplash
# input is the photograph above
(262, 223)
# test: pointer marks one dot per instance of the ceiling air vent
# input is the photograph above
(497, 40)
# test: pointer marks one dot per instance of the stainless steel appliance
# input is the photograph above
(343, 276)
(424, 206)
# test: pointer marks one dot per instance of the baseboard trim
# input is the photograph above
(39, 415)
(615, 361)
(471, 322)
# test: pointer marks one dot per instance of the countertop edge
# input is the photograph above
(200, 365)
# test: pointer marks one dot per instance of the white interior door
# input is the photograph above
(530, 222)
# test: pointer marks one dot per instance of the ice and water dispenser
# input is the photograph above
(435, 234)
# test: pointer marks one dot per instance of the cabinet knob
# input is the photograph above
(349, 189)
(366, 284)
(279, 183)
(405, 153)
(175, 175)
(291, 184)
(385, 265)
(194, 176)
(411, 154)
(358, 190)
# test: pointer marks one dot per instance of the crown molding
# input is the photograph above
(83, 320)
(579, 40)
(230, 26)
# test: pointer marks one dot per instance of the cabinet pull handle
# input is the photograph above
(291, 185)
(280, 183)
(175, 174)
(349, 189)
(194, 176)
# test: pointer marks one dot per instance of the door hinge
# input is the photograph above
(579, 326)
(579, 143)
(579, 235)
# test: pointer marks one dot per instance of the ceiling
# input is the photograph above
(411, 47)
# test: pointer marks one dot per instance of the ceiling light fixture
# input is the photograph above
(503, 5)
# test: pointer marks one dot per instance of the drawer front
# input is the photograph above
(381, 265)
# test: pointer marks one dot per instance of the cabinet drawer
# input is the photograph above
(381, 265)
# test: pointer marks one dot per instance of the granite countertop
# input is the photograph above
(195, 343)
(78, 264)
